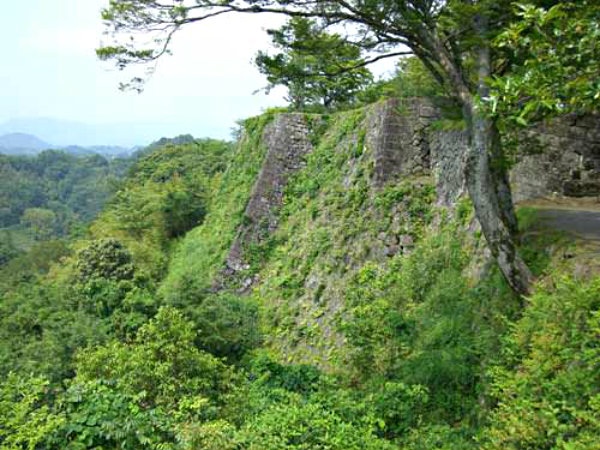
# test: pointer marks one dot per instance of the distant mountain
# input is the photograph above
(22, 143)
(66, 133)
(28, 144)
(112, 140)
(62, 133)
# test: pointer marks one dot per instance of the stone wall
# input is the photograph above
(566, 161)
(396, 131)
(405, 142)
(568, 164)
(287, 142)
(448, 149)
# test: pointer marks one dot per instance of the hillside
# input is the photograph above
(321, 284)
(336, 194)
(352, 236)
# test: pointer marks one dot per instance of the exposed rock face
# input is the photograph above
(448, 149)
(287, 141)
(569, 162)
(404, 142)
(397, 133)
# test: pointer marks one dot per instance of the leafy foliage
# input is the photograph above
(226, 325)
(41, 326)
(124, 396)
(26, 419)
(317, 68)
(548, 389)
(104, 258)
(166, 195)
(294, 424)
(161, 366)
(554, 62)
(412, 79)
(41, 221)
(417, 322)
(49, 195)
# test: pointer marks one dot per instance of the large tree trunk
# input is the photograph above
(485, 171)
(489, 191)
(499, 167)
(487, 179)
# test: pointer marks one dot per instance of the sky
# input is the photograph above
(49, 71)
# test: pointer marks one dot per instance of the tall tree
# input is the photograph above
(451, 37)
(314, 66)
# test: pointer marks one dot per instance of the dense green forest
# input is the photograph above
(52, 195)
(365, 316)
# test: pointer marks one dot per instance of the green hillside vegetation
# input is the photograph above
(167, 194)
(126, 343)
(105, 282)
(369, 317)
(51, 195)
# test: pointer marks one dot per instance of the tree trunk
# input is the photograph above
(485, 171)
(499, 168)
(487, 179)
(490, 193)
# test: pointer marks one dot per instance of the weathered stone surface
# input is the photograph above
(566, 160)
(287, 141)
(448, 149)
(568, 164)
(404, 143)
(396, 131)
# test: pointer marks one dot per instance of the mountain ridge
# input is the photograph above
(14, 143)
(19, 143)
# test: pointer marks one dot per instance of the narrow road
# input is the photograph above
(581, 223)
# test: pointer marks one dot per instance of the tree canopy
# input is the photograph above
(316, 67)
(53, 193)
(553, 61)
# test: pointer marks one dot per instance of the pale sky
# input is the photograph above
(49, 70)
